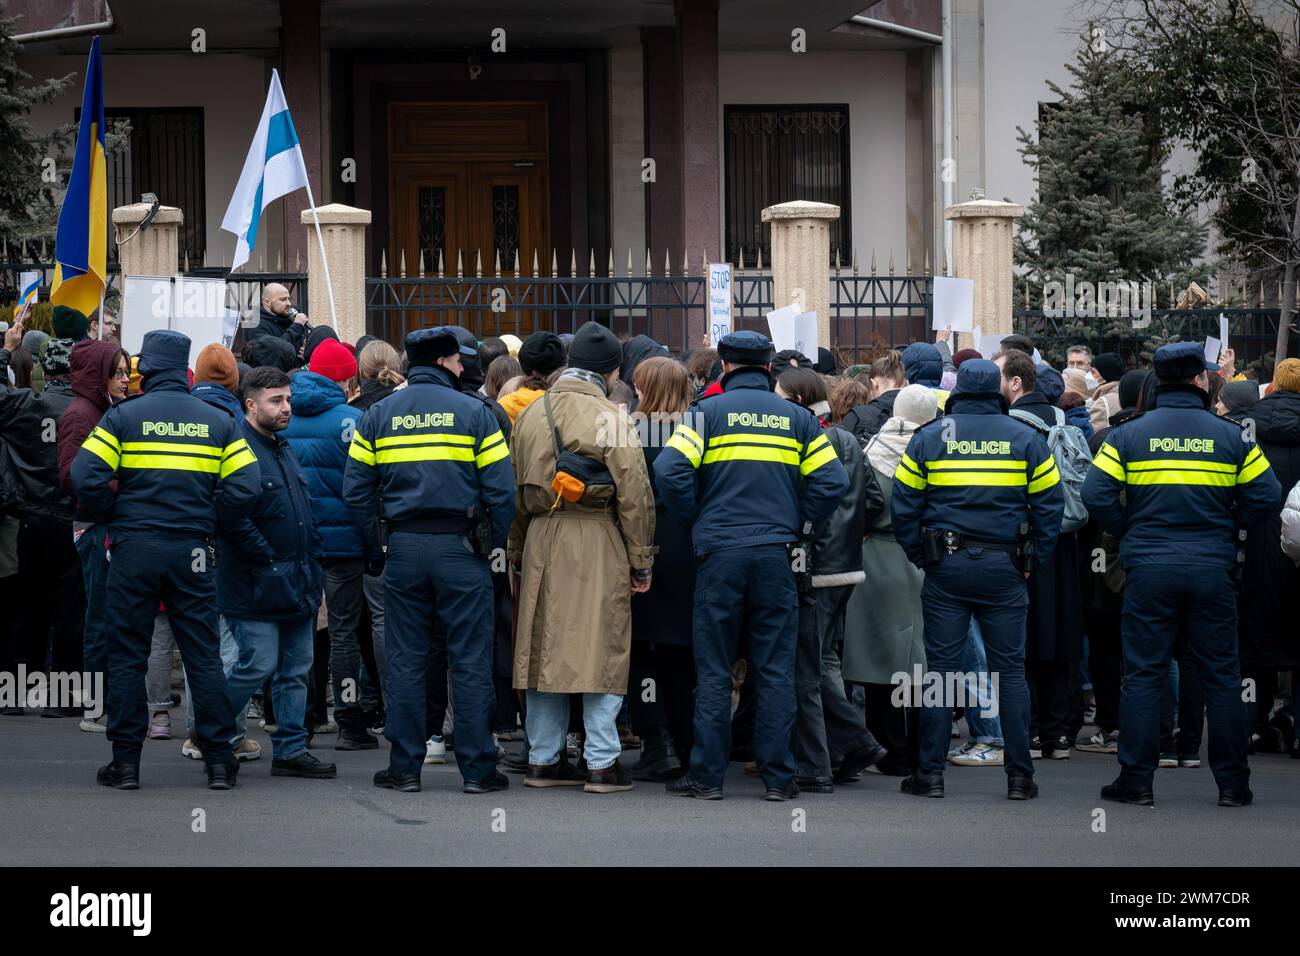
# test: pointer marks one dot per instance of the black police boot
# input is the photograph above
(496, 781)
(686, 787)
(856, 761)
(923, 784)
(221, 776)
(778, 794)
(1236, 798)
(390, 779)
(119, 776)
(354, 736)
(816, 784)
(1020, 787)
(304, 764)
(1120, 793)
(659, 760)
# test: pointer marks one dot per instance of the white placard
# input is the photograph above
(976, 337)
(805, 334)
(780, 326)
(1211, 349)
(954, 304)
(1223, 330)
(990, 345)
(29, 285)
(719, 301)
(194, 306)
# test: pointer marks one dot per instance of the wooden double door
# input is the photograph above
(469, 179)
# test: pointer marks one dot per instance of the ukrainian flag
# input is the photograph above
(81, 244)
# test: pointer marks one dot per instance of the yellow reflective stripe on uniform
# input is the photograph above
(748, 453)
(107, 437)
(690, 435)
(816, 460)
(179, 447)
(978, 479)
(1108, 461)
(1254, 466)
(360, 450)
(390, 456)
(908, 476)
(491, 440)
(494, 452)
(1045, 476)
(752, 438)
(815, 444)
(1173, 477)
(174, 463)
(979, 464)
(443, 438)
(685, 445)
(236, 458)
(97, 446)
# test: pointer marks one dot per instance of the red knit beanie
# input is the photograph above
(333, 361)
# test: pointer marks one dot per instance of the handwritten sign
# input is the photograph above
(719, 301)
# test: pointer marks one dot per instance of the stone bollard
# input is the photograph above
(801, 254)
(154, 250)
(343, 229)
(982, 232)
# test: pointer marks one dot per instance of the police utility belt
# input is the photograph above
(473, 524)
(939, 543)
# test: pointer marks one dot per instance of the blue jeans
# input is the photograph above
(229, 658)
(94, 572)
(282, 648)
(548, 719)
(983, 730)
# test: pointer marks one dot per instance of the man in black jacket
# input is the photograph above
(29, 482)
(279, 319)
(270, 578)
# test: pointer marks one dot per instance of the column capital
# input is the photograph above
(984, 209)
(135, 213)
(337, 214)
(800, 209)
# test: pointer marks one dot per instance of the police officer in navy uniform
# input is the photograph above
(433, 463)
(750, 473)
(964, 489)
(161, 469)
(1175, 485)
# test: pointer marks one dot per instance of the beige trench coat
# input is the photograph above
(574, 629)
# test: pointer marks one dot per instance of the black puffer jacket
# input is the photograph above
(864, 421)
(29, 451)
(1271, 580)
(837, 541)
(270, 325)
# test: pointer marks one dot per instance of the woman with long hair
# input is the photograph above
(662, 648)
(378, 373)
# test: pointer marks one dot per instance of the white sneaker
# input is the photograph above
(97, 725)
(248, 750)
(191, 749)
(964, 748)
(435, 751)
(328, 727)
(977, 755)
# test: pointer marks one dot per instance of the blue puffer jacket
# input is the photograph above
(923, 365)
(319, 434)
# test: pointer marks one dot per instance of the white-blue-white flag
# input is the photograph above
(274, 168)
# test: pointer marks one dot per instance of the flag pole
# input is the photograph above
(100, 328)
(325, 265)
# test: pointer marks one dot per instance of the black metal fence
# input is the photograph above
(868, 312)
(1252, 334)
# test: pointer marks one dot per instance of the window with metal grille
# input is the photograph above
(165, 157)
(775, 154)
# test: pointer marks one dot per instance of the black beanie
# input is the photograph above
(542, 352)
(315, 337)
(596, 349)
(1110, 365)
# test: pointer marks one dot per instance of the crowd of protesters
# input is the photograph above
(592, 650)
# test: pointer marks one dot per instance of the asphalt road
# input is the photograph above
(53, 813)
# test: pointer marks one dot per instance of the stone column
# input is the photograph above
(344, 231)
(981, 241)
(801, 255)
(154, 250)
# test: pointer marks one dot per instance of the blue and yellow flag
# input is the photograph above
(81, 245)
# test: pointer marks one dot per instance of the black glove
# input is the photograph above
(374, 564)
